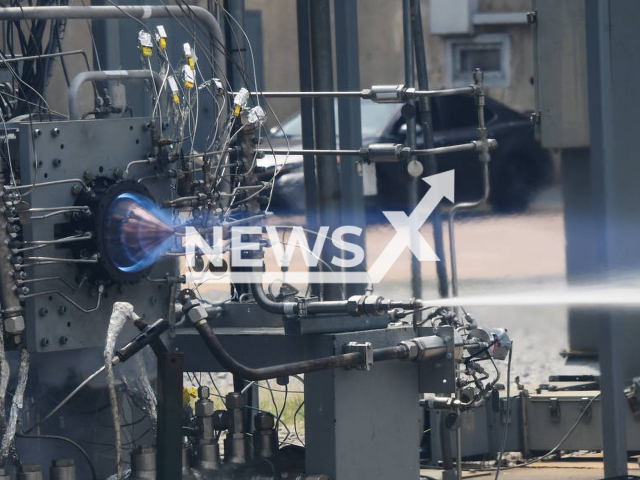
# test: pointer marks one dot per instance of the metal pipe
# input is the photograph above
(410, 141)
(265, 373)
(42, 184)
(350, 127)
(45, 55)
(328, 177)
(409, 93)
(279, 308)
(486, 189)
(294, 368)
(105, 75)
(306, 117)
(364, 152)
(427, 131)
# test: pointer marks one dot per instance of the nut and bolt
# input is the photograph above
(62, 310)
(55, 131)
(63, 340)
(203, 392)
(44, 342)
(44, 311)
(37, 132)
(56, 162)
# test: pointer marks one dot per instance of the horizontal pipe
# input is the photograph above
(366, 94)
(294, 368)
(266, 373)
(105, 75)
(44, 55)
(364, 152)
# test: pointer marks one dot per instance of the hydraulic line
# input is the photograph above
(416, 349)
(266, 373)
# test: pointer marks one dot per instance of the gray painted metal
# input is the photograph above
(349, 122)
(613, 58)
(409, 81)
(103, 75)
(561, 76)
(429, 161)
(438, 377)
(582, 247)
(82, 146)
(349, 434)
(306, 116)
(328, 177)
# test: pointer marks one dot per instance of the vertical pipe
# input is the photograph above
(306, 112)
(328, 179)
(414, 188)
(350, 124)
(235, 44)
(169, 459)
(608, 163)
(426, 121)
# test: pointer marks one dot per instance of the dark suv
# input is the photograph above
(519, 166)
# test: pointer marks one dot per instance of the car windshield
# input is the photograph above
(375, 116)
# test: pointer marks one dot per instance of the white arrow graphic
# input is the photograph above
(408, 228)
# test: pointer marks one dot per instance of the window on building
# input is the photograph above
(491, 53)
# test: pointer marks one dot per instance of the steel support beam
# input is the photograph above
(169, 459)
(431, 166)
(349, 122)
(328, 176)
(613, 65)
(306, 114)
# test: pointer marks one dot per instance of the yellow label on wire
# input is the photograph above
(192, 64)
(189, 76)
(187, 395)
(176, 99)
(147, 51)
(236, 112)
(162, 43)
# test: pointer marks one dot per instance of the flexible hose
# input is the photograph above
(121, 312)
(265, 373)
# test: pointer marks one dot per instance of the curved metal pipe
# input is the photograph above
(279, 308)
(105, 75)
(294, 368)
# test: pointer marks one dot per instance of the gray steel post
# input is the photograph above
(328, 180)
(613, 60)
(431, 166)
(349, 122)
(236, 44)
(306, 113)
(409, 81)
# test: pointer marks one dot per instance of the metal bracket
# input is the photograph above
(554, 410)
(366, 349)
(584, 405)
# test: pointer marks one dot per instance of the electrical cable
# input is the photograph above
(505, 428)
